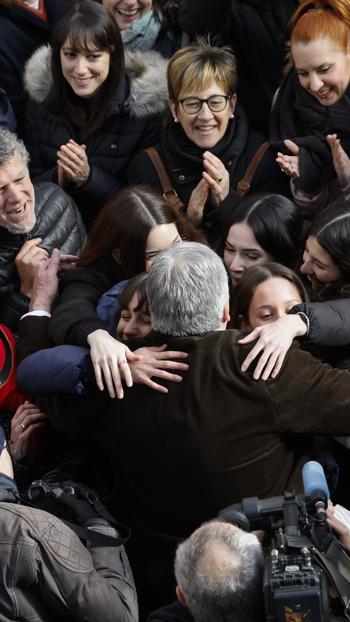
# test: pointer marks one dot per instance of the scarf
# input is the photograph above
(299, 116)
(143, 33)
(182, 153)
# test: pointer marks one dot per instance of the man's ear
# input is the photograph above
(116, 255)
(226, 312)
(180, 596)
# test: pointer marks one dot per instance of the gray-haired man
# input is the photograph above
(217, 436)
(34, 219)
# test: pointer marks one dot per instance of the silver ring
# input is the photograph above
(23, 426)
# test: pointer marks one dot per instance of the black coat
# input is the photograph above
(133, 123)
(184, 164)
(257, 30)
(59, 225)
(21, 33)
(109, 150)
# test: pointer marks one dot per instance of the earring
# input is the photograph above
(232, 116)
(176, 119)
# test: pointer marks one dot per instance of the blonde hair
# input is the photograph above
(194, 68)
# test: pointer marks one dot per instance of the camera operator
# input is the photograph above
(219, 575)
(46, 571)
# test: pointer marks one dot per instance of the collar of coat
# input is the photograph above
(146, 72)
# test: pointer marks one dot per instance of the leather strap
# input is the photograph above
(243, 186)
(169, 193)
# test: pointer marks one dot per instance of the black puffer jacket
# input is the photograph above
(21, 33)
(58, 224)
(133, 124)
(329, 330)
(257, 30)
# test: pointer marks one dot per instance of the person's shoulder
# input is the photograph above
(49, 191)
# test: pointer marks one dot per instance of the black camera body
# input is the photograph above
(301, 554)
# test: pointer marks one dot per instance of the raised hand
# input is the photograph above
(217, 177)
(341, 161)
(73, 164)
(27, 262)
(289, 164)
(197, 202)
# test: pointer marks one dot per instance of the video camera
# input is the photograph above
(304, 557)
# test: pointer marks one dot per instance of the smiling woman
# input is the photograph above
(207, 145)
(326, 259)
(313, 99)
(147, 25)
(83, 133)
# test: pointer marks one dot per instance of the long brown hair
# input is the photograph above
(125, 223)
(86, 22)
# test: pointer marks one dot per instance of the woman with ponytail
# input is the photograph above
(312, 107)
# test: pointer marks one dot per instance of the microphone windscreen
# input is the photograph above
(314, 479)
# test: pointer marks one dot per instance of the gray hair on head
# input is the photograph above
(9, 143)
(219, 570)
(187, 289)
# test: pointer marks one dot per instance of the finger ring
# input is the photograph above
(23, 426)
(219, 180)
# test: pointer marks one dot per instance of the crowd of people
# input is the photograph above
(174, 294)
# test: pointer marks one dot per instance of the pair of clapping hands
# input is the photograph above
(289, 164)
(72, 164)
(215, 182)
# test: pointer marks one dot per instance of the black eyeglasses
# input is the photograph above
(215, 103)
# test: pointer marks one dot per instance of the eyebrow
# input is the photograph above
(326, 64)
(324, 265)
(256, 250)
(178, 237)
(285, 301)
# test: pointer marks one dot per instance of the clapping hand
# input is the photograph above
(73, 164)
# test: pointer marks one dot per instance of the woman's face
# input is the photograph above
(318, 264)
(133, 322)
(127, 11)
(242, 251)
(323, 69)
(84, 70)
(159, 239)
(272, 299)
(205, 128)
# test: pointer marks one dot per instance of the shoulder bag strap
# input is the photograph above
(243, 186)
(169, 193)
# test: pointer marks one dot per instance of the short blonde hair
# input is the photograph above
(194, 68)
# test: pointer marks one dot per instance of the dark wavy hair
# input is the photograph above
(87, 21)
(246, 287)
(276, 223)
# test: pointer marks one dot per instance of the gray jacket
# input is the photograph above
(47, 574)
(59, 224)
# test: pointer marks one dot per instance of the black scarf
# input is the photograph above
(182, 154)
(299, 116)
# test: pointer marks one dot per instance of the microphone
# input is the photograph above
(316, 487)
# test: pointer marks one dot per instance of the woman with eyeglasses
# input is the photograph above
(207, 145)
